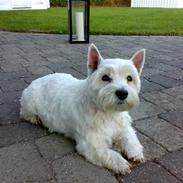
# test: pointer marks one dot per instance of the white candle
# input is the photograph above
(79, 26)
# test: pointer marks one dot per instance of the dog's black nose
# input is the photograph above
(122, 94)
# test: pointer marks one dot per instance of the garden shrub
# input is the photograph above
(95, 2)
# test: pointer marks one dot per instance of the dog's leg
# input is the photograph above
(26, 112)
(104, 157)
(131, 146)
(28, 116)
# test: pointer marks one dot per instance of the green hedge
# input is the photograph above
(58, 2)
(95, 2)
(110, 2)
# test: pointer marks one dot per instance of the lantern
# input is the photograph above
(78, 21)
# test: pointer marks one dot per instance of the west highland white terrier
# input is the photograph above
(93, 111)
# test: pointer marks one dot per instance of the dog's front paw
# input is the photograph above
(122, 168)
(138, 159)
(118, 164)
(134, 152)
(136, 156)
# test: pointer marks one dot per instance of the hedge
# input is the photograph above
(95, 2)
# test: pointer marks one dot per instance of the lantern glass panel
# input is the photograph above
(79, 21)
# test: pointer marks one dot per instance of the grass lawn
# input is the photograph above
(104, 20)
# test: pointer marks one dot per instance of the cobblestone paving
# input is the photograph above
(30, 154)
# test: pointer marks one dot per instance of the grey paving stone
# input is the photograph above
(29, 79)
(150, 86)
(9, 113)
(145, 110)
(164, 58)
(10, 48)
(10, 97)
(49, 181)
(165, 81)
(13, 75)
(151, 149)
(163, 66)
(60, 67)
(176, 62)
(30, 56)
(12, 118)
(161, 132)
(14, 133)
(14, 61)
(173, 162)
(54, 146)
(149, 173)
(12, 85)
(11, 58)
(148, 72)
(74, 55)
(177, 74)
(54, 59)
(49, 51)
(12, 67)
(40, 70)
(73, 168)
(82, 68)
(1, 96)
(173, 117)
(28, 48)
(22, 163)
(176, 92)
(36, 62)
(164, 101)
(69, 70)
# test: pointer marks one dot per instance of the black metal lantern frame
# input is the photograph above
(79, 17)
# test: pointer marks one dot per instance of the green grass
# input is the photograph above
(104, 20)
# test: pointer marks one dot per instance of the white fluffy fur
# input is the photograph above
(89, 111)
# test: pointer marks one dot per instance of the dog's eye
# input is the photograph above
(129, 78)
(106, 78)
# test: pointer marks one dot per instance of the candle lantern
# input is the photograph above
(79, 11)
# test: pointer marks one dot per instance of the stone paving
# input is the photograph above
(31, 154)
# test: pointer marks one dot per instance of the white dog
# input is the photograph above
(93, 111)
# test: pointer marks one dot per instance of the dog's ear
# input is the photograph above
(138, 60)
(94, 58)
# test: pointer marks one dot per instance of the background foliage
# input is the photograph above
(95, 2)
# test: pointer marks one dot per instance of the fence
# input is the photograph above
(157, 3)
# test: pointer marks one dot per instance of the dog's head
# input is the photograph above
(114, 84)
